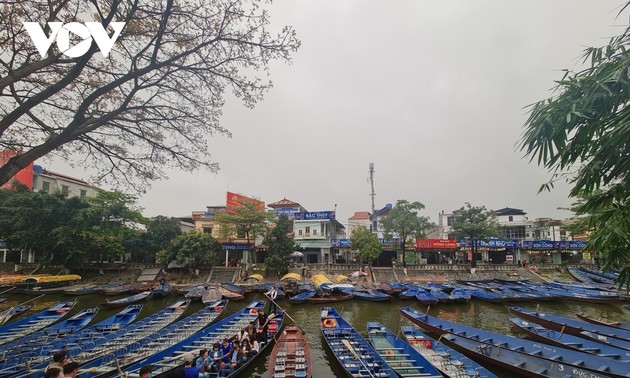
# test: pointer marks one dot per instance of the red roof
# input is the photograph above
(359, 215)
(284, 203)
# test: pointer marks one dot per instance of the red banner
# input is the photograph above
(234, 201)
(24, 176)
(436, 244)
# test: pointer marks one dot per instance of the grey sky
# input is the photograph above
(433, 92)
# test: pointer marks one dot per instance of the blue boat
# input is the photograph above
(572, 326)
(549, 336)
(99, 346)
(447, 360)
(34, 323)
(426, 298)
(357, 357)
(162, 290)
(155, 343)
(166, 361)
(302, 297)
(400, 356)
(132, 299)
(372, 296)
(604, 322)
(572, 359)
(521, 363)
(233, 287)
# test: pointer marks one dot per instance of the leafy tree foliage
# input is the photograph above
(404, 221)
(280, 246)
(581, 134)
(152, 102)
(192, 249)
(247, 221)
(474, 223)
(366, 243)
(161, 231)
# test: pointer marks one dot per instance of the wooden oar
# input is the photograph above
(285, 312)
(355, 355)
(9, 289)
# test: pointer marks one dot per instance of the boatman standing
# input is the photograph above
(272, 294)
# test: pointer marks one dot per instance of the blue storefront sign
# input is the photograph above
(347, 243)
(288, 211)
(315, 215)
(493, 243)
(566, 245)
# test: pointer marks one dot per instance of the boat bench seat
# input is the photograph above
(557, 357)
(392, 362)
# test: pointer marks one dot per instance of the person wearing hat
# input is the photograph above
(145, 371)
(70, 370)
(59, 359)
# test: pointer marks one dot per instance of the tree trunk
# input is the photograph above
(402, 245)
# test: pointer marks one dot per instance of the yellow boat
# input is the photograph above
(16, 278)
(51, 279)
(291, 276)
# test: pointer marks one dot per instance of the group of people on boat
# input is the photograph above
(229, 355)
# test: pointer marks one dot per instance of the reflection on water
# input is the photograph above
(489, 316)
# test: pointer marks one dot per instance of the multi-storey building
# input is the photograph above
(53, 182)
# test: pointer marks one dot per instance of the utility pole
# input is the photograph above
(372, 194)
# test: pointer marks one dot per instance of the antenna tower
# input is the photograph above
(372, 194)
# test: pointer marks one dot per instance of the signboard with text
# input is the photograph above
(234, 201)
(315, 215)
(436, 244)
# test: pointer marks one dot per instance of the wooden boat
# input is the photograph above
(329, 299)
(114, 341)
(166, 361)
(603, 322)
(91, 289)
(291, 355)
(162, 290)
(211, 295)
(449, 361)
(572, 326)
(47, 281)
(12, 312)
(153, 344)
(521, 363)
(372, 296)
(132, 299)
(233, 287)
(13, 350)
(426, 298)
(42, 353)
(565, 340)
(400, 356)
(570, 358)
(195, 292)
(392, 288)
(124, 289)
(302, 297)
(355, 355)
(34, 323)
(228, 294)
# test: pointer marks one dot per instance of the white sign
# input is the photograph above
(61, 33)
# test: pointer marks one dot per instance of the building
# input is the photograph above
(52, 182)
(315, 233)
(359, 219)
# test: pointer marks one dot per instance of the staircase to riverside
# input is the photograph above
(222, 274)
(384, 274)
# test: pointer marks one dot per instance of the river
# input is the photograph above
(489, 316)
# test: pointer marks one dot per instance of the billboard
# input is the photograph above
(315, 215)
(24, 176)
(234, 201)
(436, 243)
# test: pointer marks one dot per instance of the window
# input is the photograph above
(207, 230)
(321, 229)
(314, 232)
(449, 221)
(510, 218)
(45, 186)
(65, 189)
(82, 193)
(307, 230)
(300, 232)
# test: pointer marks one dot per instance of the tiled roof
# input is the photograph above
(358, 215)
(284, 203)
(509, 211)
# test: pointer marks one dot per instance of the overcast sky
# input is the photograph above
(434, 93)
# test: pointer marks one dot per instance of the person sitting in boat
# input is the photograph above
(53, 372)
(216, 355)
(190, 371)
(59, 359)
(251, 329)
(242, 334)
(202, 363)
(246, 349)
(253, 344)
(235, 359)
(145, 371)
(70, 370)
(226, 349)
